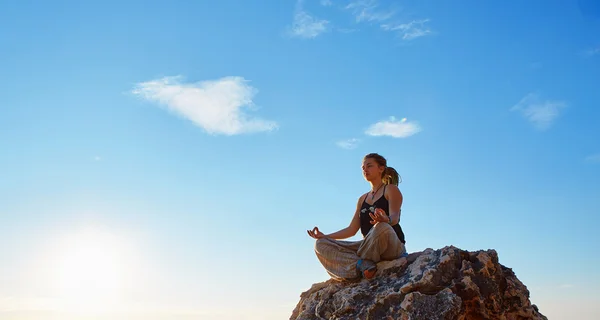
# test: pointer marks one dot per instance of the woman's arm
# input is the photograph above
(351, 229)
(395, 199)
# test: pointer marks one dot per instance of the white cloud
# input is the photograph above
(595, 158)
(541, 113)
(348, 143)
(411, 30)
(215, 105)
(305, 25)
(97, 158)
(368, 10)
(394, 128)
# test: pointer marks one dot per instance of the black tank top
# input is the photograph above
(365, 209)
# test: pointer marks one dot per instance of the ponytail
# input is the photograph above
(391, 176)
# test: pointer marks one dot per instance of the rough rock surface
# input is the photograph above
(448, 283)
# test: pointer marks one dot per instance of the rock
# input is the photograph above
(448, 283)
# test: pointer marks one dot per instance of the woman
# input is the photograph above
(377, 216)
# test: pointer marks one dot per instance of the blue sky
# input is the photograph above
(193, 143)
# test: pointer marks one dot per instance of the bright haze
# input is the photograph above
(164, 159)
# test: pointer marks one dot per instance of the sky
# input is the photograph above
(164, 159)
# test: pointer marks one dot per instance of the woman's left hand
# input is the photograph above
(379, 216)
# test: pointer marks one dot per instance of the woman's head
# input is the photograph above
(375, 167)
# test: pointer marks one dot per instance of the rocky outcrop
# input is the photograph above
(448, 283)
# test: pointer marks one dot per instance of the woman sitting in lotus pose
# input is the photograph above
(377, 216)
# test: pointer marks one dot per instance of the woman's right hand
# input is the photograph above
(315, 233)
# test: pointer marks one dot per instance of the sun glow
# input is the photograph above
(91, 271)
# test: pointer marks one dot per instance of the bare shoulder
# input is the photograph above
(392, 187)
(393, 190)
(361, 198)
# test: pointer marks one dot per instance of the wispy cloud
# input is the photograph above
(541, 113)
(215, 105)
(97, 158)
(411, 30)
(369, 10)
(348, 143)
(305, 25)
(594, 158)
(394, 128)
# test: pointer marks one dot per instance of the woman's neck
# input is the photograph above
(375, 186)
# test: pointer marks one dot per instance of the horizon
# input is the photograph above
(164, 160)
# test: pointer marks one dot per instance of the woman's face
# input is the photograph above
(371, 170)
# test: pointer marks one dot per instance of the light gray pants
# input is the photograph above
(339, 257)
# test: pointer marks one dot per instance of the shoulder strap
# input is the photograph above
(365, 198)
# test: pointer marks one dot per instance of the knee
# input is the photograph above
(383, 227)
(320, 243)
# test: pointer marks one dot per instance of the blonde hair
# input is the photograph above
(389, 175)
